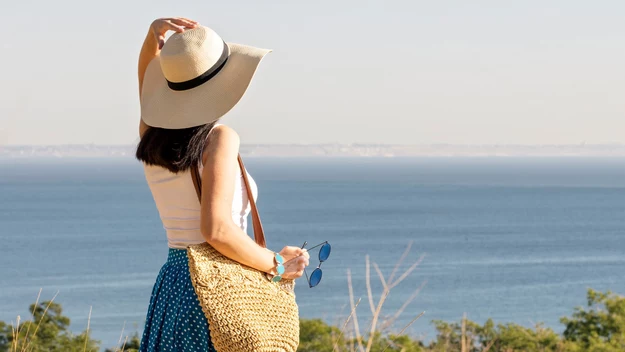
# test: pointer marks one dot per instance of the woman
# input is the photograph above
(186, 85)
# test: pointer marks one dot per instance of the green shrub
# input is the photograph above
(600, 327)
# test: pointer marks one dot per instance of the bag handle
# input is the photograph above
(259, 234)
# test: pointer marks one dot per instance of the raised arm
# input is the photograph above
(153, 43)
(220, 171)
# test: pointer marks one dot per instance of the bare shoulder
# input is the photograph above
(222, 142)
(223, 134)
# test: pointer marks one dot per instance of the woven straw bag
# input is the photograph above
(245, 311)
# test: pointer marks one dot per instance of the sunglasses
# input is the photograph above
(324, 253)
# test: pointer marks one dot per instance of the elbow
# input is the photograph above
(214, 230)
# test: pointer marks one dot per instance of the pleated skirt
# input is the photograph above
(175, 321)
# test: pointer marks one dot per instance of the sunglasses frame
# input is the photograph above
(320, 262)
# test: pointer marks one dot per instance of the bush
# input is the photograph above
(47, 332)
(600, 327)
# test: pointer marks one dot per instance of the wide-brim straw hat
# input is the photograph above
(196, 79)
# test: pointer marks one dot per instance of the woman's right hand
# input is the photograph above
(295, 261)
(177, 24)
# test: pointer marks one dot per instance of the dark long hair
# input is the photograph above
(175, 150)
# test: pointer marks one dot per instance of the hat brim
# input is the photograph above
(166, 108)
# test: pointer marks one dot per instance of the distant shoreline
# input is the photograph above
(339, 150)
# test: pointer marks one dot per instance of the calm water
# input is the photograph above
(513, 239)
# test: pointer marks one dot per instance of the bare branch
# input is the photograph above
(407, 302)
(400, 261)
(119, 342)
(490, 344)
(407, 272)
(87, 332)
(377, 268)
(368, 281)
(353, 306)
(352, 348)
(386, 323)
(124, 345)
(463, 329)
(406, 327)
(336, 343)
(376, 309)
(384, 295)
(15, 330)
(376, 315)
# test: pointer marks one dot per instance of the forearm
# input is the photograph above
(149, 51)
(235, 244)
(155, 39)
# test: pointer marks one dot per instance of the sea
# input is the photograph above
(513, 239)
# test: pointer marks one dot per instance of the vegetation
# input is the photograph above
(48, 331)
(598, 327)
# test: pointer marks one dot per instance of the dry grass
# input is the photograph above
(378, 323)
(23, 344)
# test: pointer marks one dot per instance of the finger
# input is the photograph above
(183, 23)
(161, 41)
(185, 19)
(188, 19)
(302, 261)
(293, 261)
(175, 28)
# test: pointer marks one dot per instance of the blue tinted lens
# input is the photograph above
(315, 277)
(324, 252)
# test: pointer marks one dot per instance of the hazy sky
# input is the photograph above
(346, 71)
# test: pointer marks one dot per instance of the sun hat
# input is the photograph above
(196, 79)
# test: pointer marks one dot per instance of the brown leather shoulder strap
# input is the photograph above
(259, 234)
(197, 181)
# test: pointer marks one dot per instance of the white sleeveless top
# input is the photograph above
(179, 208)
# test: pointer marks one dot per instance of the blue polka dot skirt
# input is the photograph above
(175, 321)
